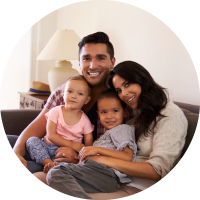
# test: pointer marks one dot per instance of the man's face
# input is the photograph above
(95, 63)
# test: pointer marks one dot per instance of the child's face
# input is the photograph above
(111, 112)
(76, 94)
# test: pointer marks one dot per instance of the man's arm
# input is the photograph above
(37, 128)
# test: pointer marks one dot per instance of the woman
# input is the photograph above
(161, 128)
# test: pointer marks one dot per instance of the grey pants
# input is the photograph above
(86, 177)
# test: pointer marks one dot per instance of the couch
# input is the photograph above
(14, 121)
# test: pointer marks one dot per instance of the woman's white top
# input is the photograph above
(162, 149)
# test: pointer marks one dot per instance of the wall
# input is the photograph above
(155, 46)
(16, 76)
(22, 67)
(136, 35)
(42, 32)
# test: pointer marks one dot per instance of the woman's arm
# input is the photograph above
(134, 169)
(88, 139)
(167, 143)
(126, 154)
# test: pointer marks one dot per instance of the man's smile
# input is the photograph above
(94, 74)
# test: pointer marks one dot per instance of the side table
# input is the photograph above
(32, 101)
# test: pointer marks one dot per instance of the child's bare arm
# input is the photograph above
(54, 137)
(88, 139)
(58, 140)
(126, 154)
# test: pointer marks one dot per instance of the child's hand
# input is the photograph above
(77, 146)
(87, 151)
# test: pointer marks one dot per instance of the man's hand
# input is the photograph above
(88, 151)
(66, 154)
(24, 162)
(77, 146)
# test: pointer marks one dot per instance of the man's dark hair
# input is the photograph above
(95, 38)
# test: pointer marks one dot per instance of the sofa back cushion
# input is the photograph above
(192, 124)
(16, 120)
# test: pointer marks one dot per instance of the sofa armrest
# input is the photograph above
(192, 119)
(16, 120)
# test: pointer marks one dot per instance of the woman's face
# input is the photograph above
(128, 92)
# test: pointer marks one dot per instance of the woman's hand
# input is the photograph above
(66, 154)
(77, 146)
(99, 159)
(87, 151)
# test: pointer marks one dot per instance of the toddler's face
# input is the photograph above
(111, 112)
(76, 94)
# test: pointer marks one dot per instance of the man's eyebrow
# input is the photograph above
(86, 55)
(97, 56)
(101, 55)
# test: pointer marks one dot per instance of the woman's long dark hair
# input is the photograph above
(153, 97)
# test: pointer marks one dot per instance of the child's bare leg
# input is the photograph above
(47, 167)
(48, 164)
(46, 161)
(41, 176)
(55, 164)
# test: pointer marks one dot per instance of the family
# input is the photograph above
(108, 133)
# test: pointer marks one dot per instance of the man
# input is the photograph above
(96, 59)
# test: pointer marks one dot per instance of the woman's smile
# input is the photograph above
(130, 100)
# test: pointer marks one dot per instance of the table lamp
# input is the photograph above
(62, 46)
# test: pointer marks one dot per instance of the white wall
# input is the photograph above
(16, 76)
(42, 32)
(139, 36)
(135, 34)
(22, 67)
(151, 43)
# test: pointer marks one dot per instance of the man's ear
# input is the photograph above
(79, 64)
(88, 99)
(113, 62)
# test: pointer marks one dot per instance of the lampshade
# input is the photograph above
(62, 46)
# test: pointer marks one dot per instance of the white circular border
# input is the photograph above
(181, 16)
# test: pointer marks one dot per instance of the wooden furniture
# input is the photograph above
(33, 101)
